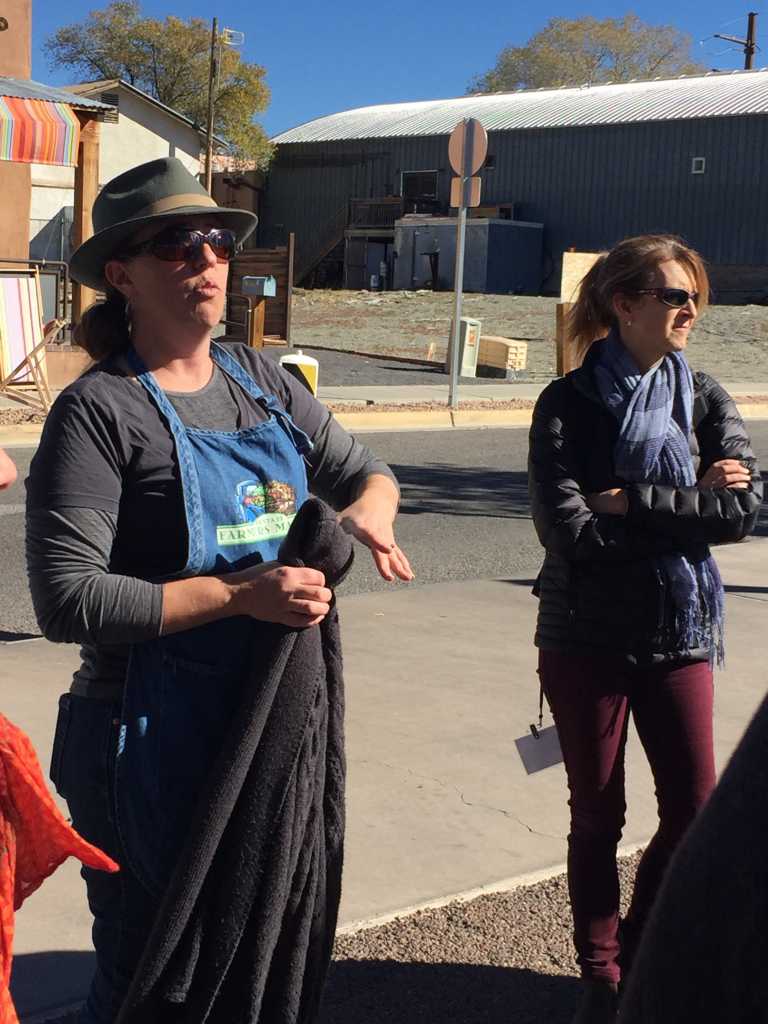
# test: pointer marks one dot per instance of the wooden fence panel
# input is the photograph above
(277, 263)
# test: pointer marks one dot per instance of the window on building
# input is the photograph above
(698, 165)
(419, 184)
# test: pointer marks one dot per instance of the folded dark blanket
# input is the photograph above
(704, 950)
(245, 931)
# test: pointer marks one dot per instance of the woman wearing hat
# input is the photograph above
(166, 478)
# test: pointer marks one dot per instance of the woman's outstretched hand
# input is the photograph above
(370, 520)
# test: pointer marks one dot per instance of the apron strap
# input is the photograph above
(190, 482)
(269, 403)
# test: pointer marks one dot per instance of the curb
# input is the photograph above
(504, 885)
(27, 435)
(23, 435)
(445, 419)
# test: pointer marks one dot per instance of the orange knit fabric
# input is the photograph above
(34, 840)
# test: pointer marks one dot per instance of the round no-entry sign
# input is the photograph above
(467, 147)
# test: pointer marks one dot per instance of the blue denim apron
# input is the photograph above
(241, 491)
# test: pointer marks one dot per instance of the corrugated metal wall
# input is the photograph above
(588, 186)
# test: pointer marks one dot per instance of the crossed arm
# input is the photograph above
(642, 519)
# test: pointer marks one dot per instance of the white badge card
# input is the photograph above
(539, 749)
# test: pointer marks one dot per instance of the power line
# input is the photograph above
(748, 44)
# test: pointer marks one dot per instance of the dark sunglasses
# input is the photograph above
(674, 297)
(177, 245)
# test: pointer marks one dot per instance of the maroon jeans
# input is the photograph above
(591, 697)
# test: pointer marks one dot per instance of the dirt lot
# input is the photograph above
(730, 342)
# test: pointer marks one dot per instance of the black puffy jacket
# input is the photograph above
(599, 588)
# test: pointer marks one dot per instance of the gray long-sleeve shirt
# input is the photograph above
(105, 514)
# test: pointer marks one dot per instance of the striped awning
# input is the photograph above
(38, 132)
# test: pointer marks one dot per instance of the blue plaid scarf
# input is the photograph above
(655, 415)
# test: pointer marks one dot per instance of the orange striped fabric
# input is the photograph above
(38, 132)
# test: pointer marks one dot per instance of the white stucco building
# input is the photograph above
(141, 129)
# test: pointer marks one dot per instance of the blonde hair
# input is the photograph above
(627, 268)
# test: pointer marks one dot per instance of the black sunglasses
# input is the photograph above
(177, 245)
(674, 297)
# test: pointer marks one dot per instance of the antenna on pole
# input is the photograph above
(749, 43)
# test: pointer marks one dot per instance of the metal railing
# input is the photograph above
(379, 212)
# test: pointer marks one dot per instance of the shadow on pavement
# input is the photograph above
(46, 982)
(464, 490)
(391, 992)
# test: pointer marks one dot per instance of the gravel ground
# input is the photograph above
(505, 958)
(15, 416)
(731, 342)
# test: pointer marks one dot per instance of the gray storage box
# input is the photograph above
(501, 257)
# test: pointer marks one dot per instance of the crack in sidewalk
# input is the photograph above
(451, 785)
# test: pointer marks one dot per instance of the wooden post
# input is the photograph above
(86, 190)
(565, 356)
(289, 288)
(256, 311)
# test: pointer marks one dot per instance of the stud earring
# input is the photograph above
(629, 323)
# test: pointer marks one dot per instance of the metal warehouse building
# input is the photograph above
(591, 164)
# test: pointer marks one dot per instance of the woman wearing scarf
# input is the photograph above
(636, 466)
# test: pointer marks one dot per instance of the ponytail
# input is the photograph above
(104, 328)
(590, 317)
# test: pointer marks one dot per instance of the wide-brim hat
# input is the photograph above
(152, 192)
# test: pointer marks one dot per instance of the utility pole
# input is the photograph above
(749, 43)
(212, 78)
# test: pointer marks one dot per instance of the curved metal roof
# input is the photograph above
(717, 94)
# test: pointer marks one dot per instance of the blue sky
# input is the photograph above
(327, 56)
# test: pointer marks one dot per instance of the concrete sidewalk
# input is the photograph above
(440, 680)
(422, 407)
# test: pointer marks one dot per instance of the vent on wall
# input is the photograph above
(113, 99)
(698, 164)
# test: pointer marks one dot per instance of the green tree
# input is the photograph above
(576, 51)
(169, 59)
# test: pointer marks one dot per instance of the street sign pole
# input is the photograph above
(458, 286)
(467, 149)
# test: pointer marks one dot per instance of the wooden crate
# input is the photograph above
(502, 353)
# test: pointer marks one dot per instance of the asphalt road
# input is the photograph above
(464, 513)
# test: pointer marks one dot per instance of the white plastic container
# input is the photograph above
(303, 368)
(469, 345)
